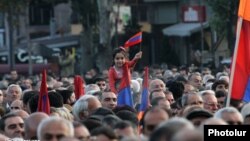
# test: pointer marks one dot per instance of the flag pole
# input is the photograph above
(239, 25)
(141, 42)
(140, 47)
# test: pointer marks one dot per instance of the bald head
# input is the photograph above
(31, 124)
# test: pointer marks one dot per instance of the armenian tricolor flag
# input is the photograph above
(239, 86)
(136, 39)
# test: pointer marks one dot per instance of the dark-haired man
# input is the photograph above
(102, 84)
(109, 100)
(12, 126)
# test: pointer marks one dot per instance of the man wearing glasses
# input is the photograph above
(210, 100)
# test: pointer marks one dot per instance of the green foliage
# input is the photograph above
(15, 6)
(223, 11)
(88, 11)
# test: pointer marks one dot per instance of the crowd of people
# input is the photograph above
(181, 100)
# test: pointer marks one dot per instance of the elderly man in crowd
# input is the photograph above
(85, 106)
(210, 100)
(157, 85)
(14, 92)
(54, 128)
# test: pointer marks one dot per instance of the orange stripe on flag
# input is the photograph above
(244, 9)
(140, 114)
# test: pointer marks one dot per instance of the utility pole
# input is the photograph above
(116, 23)
(11, 47)
(229, 28)
(202, 32)
(28, 39)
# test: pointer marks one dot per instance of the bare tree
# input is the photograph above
(12, 11)
(87, 11)
(105, 9)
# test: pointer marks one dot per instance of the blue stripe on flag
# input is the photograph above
(246, 97)
(135, 39)
(124, 97)
(144, 100)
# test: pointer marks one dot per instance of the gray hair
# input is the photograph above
(91, 87)
(155, 80)
(188, 135)
(220, 112)
(169, 128)
(178, 121)
(131, 138)
(193, 74)
(81, 105)
(14, 85)
(206, 92)
(184, 98)
(52, 120)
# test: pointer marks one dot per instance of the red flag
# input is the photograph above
(43, 103)
(78, 85)
(239, 87)
(136, 39)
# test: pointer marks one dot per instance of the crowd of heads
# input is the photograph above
(180, 102)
